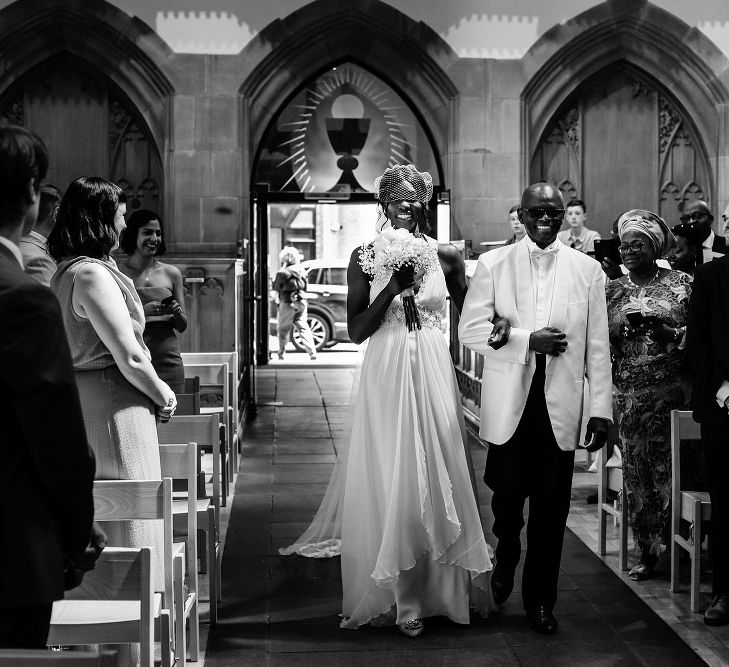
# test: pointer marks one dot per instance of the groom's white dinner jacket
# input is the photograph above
(502, 284)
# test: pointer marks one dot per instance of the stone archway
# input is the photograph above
(651, 41)
(123, 49)
(408, 55)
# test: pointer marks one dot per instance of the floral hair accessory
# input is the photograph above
(404, 182)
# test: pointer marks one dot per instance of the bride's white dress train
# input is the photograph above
(412, 544)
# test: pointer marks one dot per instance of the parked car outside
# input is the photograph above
(326, 303)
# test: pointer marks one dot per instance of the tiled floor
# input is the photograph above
(283, 610)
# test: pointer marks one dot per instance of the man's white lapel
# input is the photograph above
(524, 291)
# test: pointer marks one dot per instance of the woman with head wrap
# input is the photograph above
(647, 311)
(403, 502)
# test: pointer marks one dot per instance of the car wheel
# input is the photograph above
(319, 330)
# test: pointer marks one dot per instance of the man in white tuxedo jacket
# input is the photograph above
(532, 390)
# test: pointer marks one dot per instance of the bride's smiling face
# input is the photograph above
(404, 214)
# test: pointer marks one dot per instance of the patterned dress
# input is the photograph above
(649, 383)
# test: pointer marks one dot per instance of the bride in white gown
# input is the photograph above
(402, 498)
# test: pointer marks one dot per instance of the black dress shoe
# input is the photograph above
(718, 611)
(542, 620)
(502, 583)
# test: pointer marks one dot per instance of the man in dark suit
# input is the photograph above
(698, 215)
(708, 351)
(47, 471)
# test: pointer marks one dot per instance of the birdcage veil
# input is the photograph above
(403, 182)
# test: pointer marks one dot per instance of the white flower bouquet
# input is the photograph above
(397, 248)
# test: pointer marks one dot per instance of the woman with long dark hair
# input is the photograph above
(121, 394)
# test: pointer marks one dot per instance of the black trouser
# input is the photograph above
(715, 440)
(25, 627)
(531, 465)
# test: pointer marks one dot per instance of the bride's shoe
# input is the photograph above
(412, 628)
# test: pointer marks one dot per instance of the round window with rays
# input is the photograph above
(339, 133)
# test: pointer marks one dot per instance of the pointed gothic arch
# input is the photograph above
(123, 48)
(645, 37)
(406, 54)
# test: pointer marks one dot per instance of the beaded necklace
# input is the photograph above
(645, 284)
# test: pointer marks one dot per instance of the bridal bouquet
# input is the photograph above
(397, 248)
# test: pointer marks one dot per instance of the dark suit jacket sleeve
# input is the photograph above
(708, 372)
(39, 377)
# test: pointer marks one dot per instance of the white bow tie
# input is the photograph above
(538, 253)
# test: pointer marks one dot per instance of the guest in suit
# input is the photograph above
(34, 245)
(698, 214)
(706, 345)
(532, 390)
(47, 471)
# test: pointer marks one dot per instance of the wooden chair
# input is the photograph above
(611, 479)
(179, 462)
(230, 358)
(205, 431)
(188, 402)
(216, 374)
(691, 506)
(115, 604)
(142, 500)
(46, 658)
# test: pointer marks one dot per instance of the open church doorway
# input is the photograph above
(313, 190)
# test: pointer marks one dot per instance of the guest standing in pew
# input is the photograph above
(708, 353)
(120, 392)
(37, 261)
(159, 286)
(47, 471)
(647, 311)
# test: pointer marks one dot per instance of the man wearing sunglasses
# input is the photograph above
(698, 214)
(532, 390)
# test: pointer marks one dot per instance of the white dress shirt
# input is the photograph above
(12, 248)
(543, 262)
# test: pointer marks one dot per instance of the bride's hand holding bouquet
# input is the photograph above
(406, 258)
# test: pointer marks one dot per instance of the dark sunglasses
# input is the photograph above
(538, 212)
(698, 216)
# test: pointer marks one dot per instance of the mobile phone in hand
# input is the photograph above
(167, 301)
(607, 249)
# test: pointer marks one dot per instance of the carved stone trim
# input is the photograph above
(569, 123)
(669, 122)
(212, 284)
(13, 113)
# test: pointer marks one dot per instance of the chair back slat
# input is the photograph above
(175, 461)
(209, 373)
(202, 429)
(116, 500)
(45, 658)
(117, 575)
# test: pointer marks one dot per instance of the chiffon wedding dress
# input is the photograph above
(401, 505)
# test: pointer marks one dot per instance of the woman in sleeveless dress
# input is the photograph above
(159, 286)
(412, 544)
(120, 392)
